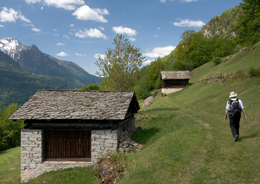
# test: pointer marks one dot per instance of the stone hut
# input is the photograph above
(173, 81)
(65, 128)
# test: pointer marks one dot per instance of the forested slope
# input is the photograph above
(17, 83)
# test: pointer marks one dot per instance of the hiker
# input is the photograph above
(234, 107)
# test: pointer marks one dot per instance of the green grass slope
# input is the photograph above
(243, 60)
(188, 141)
(10, 166)
(185, 136)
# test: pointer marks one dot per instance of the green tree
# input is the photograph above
(10, 131)
(200, 52)
(154, 72)
(120, 66)
(90, 87)
(185, 45)
(183, 49)
(142, 88)
(248, 28)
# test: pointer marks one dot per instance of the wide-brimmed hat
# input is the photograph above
(232, 94)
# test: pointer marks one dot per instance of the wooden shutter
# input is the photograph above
(67, 145)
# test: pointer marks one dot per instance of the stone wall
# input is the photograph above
(131, 125)
(102, 142)
(31, 151)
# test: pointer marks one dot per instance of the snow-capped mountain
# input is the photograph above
(30, 57)
(12, 47)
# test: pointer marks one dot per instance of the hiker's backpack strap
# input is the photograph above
(238, 103)
(230, 101)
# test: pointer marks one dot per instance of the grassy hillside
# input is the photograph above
(188, 141)
(185, 136)
(243, 60)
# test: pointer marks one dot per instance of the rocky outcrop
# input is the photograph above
(148, 101)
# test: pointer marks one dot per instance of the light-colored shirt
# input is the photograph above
(239, 101)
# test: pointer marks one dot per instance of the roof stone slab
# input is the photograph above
(68, 104)
(166, 75)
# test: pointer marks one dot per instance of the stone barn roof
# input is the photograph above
(85, 105)
(167, 75)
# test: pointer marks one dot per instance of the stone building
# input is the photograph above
(173, 81)
(65, 128)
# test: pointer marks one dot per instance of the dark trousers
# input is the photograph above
(234, 123)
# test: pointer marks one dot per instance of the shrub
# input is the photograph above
(216, 60)
(252, 72)
(110, 167)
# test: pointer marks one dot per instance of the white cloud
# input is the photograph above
(146, 62)
(156, 36)
(189, 23)
(159, 28)
(160, 51)
(92, 33)
(101, 28)
(80, 54)
(62, 54)
(71, 25)
(32, 1)
(55, 30)
(66, 36)
(62, 44)
(162, 1)
(55, 34)
(132, 39)
(66, 4)
(86, 13)
(2, 25)
(99, 55)
(10, 15)
(36, 30)
(124, 30)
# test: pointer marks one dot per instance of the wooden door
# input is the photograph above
(67, 144)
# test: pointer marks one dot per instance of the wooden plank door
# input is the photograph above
(67, 144)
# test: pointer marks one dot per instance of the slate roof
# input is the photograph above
(166, 75)
(85, 105)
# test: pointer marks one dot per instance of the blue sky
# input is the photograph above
(82, 30)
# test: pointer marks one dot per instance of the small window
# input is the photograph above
(67, 145)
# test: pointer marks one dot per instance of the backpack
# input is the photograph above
(235, 107)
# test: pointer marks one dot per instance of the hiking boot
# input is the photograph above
(236, 138)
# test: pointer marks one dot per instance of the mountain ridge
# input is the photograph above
(18, 83)
(31, 58)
